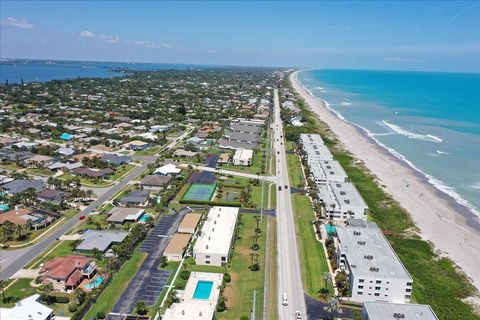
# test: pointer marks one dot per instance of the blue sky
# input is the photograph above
(443, 36)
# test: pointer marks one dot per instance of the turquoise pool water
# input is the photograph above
(4, 207)
(203, 290)
(145, 218)
(330, 229)
(95, 283)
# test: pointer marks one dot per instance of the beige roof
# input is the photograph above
(190, 221)
(135, 143)
(177, 243)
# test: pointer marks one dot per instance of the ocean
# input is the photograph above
(429, 120)
(14, 70)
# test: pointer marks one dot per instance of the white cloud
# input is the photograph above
(17, 23)
(149, 44)
(100, 37)
(86, 34)
(212, 51)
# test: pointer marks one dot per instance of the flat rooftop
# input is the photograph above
(217, 231)
(369, 254)
(317, 152)
(177, 243)
(386, 310)
(347, 195)
(311, 139)
(330, 170)
(190, 221)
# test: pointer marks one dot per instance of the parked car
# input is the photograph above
(298, 315)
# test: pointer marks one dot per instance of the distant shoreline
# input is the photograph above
(433, 211)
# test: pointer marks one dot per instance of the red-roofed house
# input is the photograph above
(66, 273)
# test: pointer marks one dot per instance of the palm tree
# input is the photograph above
(3, 285)
(332, 306)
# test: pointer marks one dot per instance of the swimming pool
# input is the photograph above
(4, 207)
(145, 218)
(203, 290)
(330, 229)
(95, 283)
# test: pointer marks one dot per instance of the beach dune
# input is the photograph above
(453, 231)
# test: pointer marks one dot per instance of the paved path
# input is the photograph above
(14, 260)
(289, 276)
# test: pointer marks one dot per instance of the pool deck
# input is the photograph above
(191, 308)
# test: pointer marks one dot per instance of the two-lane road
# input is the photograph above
(13, 260)
(289, 277)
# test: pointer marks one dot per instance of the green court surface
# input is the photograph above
(200, 192)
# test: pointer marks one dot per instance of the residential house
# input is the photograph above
(136, 145)
(116, 160)
(154, 182)
(39, 161)
(34, 218)
(27, 309)
(168, 170)
(102, 240)
(121, 215)
(93, 173)
(66, 273)
(137, 198)
(17, 186)
(53, 196)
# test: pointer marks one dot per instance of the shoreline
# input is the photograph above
(431, 210)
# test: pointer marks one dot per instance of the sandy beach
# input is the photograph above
(450, 227)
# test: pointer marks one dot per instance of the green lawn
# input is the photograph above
(120, 281)
(87, 182)
(10, 166)
(148, 152)
(295, 172)
(20, 289)
(120, 171)
(239, 292)
(313, 260)
(40, 172)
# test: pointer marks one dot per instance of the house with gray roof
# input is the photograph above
(17, 186)
(137, 198)
(116, 160)
(100, 239)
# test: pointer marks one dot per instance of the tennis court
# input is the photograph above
(198, 191)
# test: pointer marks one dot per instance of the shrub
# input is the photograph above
(185, 274)
(227, 277)
(72, 307)
(244, 318)
(61, 299)
(100, 315)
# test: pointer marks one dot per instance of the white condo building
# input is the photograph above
(374, 310)
(375, 271)
(243, 157)
(311, 139)
(213, 245)
(342, 201)
(327, 170)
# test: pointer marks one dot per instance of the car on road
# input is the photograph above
(286, 187)
(284, 299)
(278, 152)
(279, 188)
(81, 218)
(298, 315)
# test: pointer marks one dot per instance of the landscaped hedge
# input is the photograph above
(212, 203)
